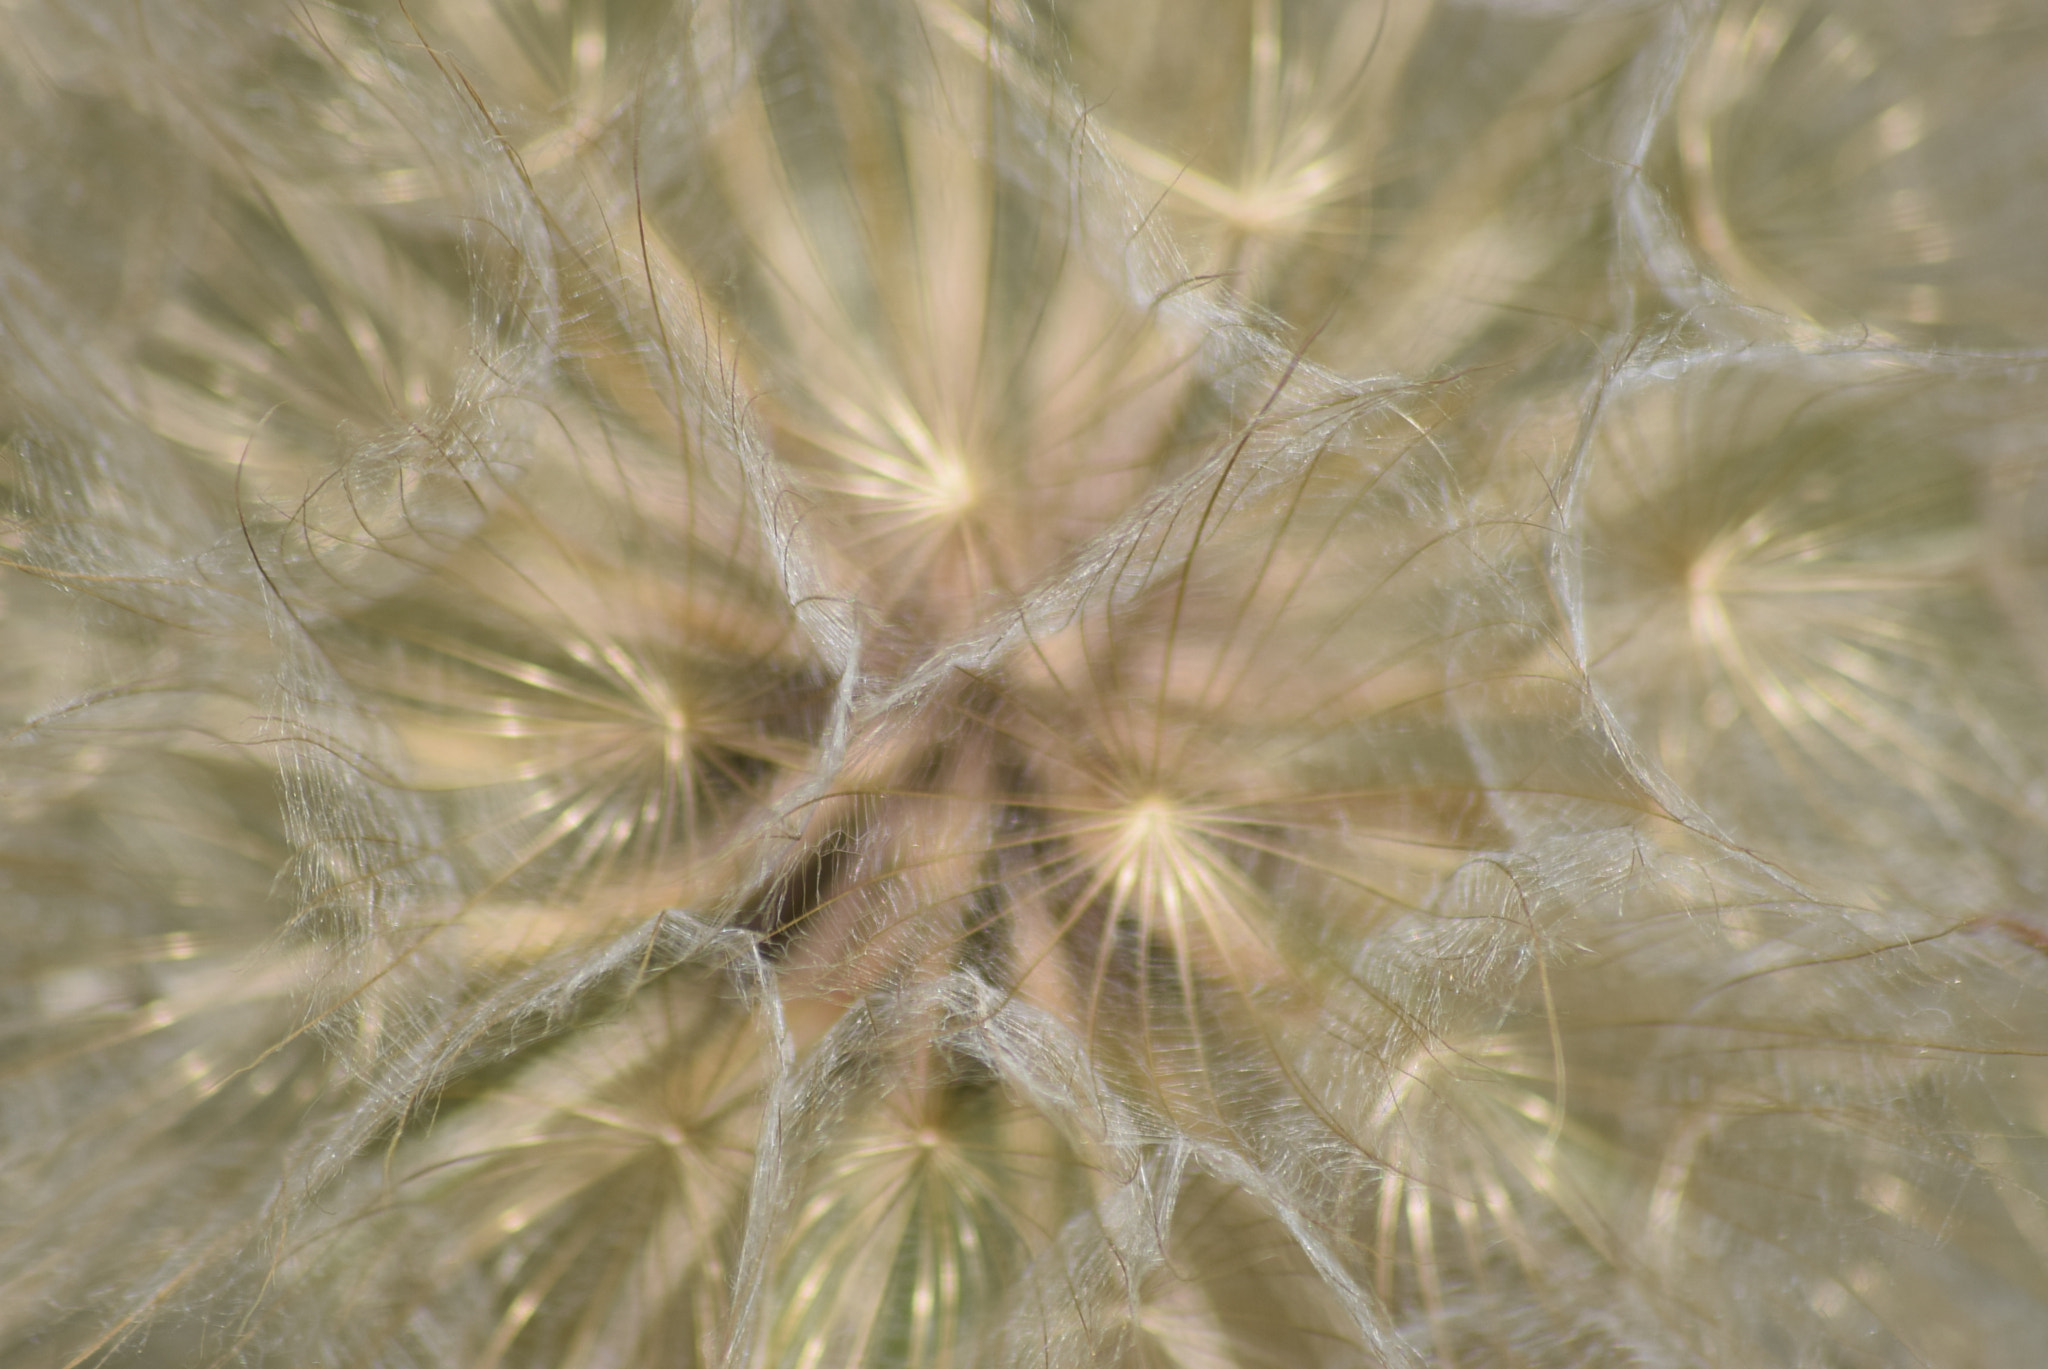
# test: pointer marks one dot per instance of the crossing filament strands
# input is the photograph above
(1237, 684)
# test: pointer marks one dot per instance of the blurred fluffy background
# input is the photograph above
(1200, 684)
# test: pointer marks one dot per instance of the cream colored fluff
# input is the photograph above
(1195, 683)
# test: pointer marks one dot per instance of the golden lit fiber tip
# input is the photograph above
(1241, 684)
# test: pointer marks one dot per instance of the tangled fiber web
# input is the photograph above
(1201, 684)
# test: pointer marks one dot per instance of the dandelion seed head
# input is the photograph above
(912, 683)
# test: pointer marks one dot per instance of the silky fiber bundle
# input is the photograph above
(1201, 684)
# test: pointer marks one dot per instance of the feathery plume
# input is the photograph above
(916, 683)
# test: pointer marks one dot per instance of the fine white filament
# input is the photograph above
(1023, 684)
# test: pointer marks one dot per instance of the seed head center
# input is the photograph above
(951, 491)
(1153, 823)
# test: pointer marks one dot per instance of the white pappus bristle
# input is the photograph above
(1023, 684)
